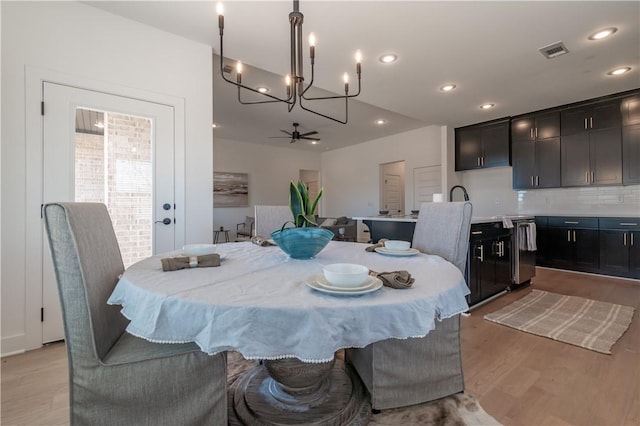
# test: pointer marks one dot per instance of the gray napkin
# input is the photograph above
(184, 262)
(263, 242)
(375, 246)
(394, 279)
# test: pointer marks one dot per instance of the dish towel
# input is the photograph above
(506, 222)
(262, 242)
(531, 236)
(375, 246)
(394, 279)
(184, 262)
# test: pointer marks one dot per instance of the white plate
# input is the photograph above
(386, 251)
(314, 284)
(322, 281)
(198, 249)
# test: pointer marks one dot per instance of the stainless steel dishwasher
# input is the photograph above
(523, 251)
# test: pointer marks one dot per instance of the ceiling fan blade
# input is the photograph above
(309, 133)
(285, 132)
(292, 140)
(278, 137)
(309, 139)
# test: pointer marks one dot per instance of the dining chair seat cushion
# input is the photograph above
(116, 378)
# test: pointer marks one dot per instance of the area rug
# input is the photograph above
(456, 410)
(582, 322)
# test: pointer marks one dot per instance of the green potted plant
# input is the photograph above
(305, 240)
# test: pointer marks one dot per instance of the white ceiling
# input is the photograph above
(488, 49)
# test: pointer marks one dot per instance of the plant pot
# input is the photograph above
(302, 243)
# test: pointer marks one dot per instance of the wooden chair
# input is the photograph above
(271, 218)
(397, 372)
(116, 378)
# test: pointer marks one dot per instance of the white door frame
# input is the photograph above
(34, 80)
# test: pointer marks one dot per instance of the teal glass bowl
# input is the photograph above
(302, 243)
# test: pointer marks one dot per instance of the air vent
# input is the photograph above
(553, 50)
(227, 69)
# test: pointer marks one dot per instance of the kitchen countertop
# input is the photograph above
(411, 218)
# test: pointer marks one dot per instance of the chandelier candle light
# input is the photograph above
(294, 82)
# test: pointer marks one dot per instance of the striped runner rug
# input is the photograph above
(582, 322)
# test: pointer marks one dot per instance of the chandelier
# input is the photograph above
(295, 86)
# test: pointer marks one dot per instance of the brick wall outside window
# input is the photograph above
(128, 189)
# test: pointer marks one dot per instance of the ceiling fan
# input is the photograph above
(296, 135)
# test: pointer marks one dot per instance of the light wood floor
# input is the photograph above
(519, 378)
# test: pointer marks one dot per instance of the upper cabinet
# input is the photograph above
(535, 150)
(591, 144)
(631, 140)
(483, 145)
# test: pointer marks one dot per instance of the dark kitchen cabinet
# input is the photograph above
(489, 261)
(572, 243)
(482, 145)
(631, 110)
(631, 154)
(535, 150)
(591, 144)
(620, 247)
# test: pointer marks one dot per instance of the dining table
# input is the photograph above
(269, 307)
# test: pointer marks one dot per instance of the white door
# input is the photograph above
(110, 149)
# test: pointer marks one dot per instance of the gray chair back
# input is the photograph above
(87, 263)
(271, 218)
(443, 229)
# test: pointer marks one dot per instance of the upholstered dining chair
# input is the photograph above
(399, 373)
(116, 378)
(271, 218)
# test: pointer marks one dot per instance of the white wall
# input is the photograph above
(83, 42)
(491, 193)
(350, 176)
(270, 170)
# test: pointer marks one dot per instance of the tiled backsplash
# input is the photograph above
(596, 201)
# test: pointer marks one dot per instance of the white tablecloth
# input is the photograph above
(257, 302)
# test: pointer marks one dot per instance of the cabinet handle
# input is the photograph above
(585, 123)
(586, 176)
(574, 236)
(478, 161)
(482, 161)
(632, 238)
(569, 235)
(501, 248)
(627, 224)
(481, 253)
(568, 222)
(537, 180)
(591, 122)
(532, 184)
(624, 238)
(476, 232)
(593, 174)
(531, 132)
(536, 133)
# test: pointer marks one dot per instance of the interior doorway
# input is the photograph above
(311, 179)
(392, 178)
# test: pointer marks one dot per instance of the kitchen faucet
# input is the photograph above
(464, 191)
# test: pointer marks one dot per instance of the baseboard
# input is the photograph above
(12, 345)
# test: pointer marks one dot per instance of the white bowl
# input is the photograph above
(397, 245)
(198, 249)
(346, 274)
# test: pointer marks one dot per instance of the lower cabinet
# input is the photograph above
(620, 247)
(489, 261)
(608, 246)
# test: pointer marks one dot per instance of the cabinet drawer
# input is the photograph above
(542, 220)
(574, 222)
(629, 223)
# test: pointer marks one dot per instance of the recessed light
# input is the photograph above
(599, 35)
(448, 87)
(388, 58)
(381, 121)
(262, 89)
(487, 106)
(619, 71)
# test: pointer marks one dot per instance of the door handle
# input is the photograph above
(165, 221)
